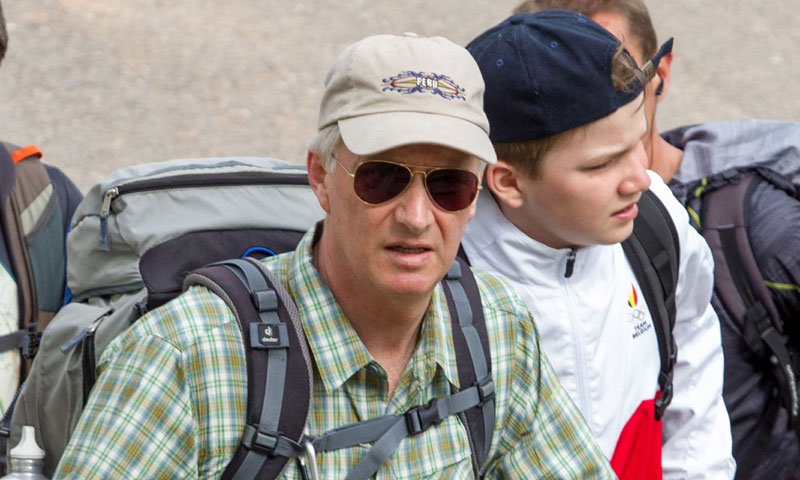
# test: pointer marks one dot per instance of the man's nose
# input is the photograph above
(415, 208)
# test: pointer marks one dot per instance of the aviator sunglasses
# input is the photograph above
(378, 181)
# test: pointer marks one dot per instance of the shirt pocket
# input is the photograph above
(440, 452)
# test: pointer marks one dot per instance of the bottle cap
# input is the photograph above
(27, 447)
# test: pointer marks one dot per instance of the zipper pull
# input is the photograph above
(86, 331)
(570, 263)
(105, 209)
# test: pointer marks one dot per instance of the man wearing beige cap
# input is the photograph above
(387, 335)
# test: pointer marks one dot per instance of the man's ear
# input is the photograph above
(317, 177)
(663, 71)
(502, 178)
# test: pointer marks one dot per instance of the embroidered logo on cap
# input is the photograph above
(408, 82)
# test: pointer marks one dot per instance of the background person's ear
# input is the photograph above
(663, 72)
(501, 178)
(317, 177)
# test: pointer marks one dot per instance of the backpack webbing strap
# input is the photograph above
(473, 355)
(276, 351)
(740, 286)
(26, 340)
(653, 252)
(387, 432)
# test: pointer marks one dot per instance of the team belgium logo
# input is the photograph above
(409, 82)
(637, 316)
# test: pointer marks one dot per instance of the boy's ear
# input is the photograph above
(502, 179)
(317, 177)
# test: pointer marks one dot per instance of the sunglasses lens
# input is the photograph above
(452, 189)
(377, 182)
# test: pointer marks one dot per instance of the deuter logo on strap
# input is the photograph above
(269, 335)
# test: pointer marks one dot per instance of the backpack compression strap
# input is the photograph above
(653, 252)
(475, 401)
(740, 286)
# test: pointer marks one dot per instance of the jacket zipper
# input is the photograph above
(188, 181)
(584, 399)
(570, 263)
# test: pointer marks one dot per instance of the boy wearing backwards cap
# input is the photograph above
(565, 105)
(765, 446)
(396, 166)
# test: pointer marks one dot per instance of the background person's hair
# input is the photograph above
(635, 13)
(527, 156)
(3, 34)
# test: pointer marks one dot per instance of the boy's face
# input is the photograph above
(586, 190)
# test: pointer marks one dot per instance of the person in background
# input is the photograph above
(36, 205)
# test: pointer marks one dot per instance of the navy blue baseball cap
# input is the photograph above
(547, 73)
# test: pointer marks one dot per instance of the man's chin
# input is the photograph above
(412, 284)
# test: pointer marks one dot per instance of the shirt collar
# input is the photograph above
(337, 350)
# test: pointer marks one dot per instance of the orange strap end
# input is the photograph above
(26, 152)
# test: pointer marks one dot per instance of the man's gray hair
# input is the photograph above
(324, 144)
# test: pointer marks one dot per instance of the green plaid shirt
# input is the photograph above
(170, 400)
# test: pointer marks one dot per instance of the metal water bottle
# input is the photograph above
(26, 460)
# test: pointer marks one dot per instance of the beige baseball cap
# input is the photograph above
(386, 91)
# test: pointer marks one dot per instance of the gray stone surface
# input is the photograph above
(103, 84)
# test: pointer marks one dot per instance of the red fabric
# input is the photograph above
(638, 452)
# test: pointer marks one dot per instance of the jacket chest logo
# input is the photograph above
(637, 316)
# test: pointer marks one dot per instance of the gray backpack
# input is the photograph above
(133, 239)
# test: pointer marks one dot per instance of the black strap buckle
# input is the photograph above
(661, 403)
(30, 344)
(260, 441)
(485, 390)
(420, 418)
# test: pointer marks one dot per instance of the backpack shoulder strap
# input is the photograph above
(31, 199)
(23, 209)
(473, 356)
(654, 252)
(279, 372)
(738, 282)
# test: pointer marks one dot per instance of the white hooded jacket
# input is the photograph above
(598, 334)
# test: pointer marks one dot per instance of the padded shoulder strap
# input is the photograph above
(32, 199)
(279, 371)
(739, 285)
(654, 252)
(23, 209)
(473, 355)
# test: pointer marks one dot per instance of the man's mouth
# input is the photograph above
(409, 250)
